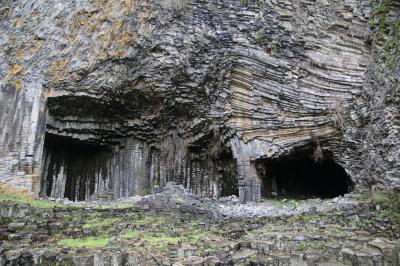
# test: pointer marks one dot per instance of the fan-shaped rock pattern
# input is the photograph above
(133, 94)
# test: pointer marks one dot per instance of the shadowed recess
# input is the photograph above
(72, 167)
(299, 176)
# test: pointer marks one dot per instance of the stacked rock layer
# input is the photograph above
(107, 99)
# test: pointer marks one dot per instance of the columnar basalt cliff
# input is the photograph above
(108, 99)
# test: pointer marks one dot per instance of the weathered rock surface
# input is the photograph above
(178, 228)
(109, 99)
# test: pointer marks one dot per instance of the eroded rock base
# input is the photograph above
(193, 231)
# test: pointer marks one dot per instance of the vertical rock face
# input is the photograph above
(81, 171)
(107, 99)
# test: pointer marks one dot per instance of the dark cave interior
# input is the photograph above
(79, 163)
(77, 170)
(298, 176)
(78, 167)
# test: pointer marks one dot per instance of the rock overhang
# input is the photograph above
(269, 86)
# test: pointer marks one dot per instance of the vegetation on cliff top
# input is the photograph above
(386, 30)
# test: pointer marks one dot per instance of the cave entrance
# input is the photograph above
(72, 168)
(298, 176)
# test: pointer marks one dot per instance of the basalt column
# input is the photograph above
(249, 182)
(81, 170)
(75, 169)
(275, 75)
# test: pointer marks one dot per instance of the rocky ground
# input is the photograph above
(177, 228)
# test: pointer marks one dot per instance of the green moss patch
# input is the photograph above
(311, 245)
(387, 33)
(160, 240)
(42, 204)
(89, 242)
(153, 241)
(99, 222)
(388, 205)
(149, 220)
